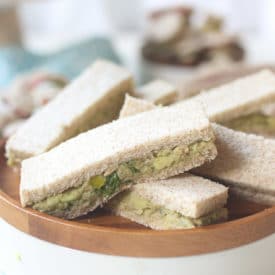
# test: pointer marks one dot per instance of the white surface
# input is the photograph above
(21, 254)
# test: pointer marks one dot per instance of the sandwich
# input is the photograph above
(245, 163)
(86, 171)
(92, 99)
(258, 123)
(133, 105)
(158, 92)
(238, 104)
(181, 202)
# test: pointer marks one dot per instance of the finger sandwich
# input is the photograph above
(86, 171)
(182, 202)
(92, 99)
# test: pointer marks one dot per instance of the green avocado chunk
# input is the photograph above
(101, 188)
(255, 123)
(135, 207)
(86, 194)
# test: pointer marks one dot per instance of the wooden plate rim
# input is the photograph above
(140, 241)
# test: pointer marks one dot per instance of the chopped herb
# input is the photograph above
(111, 185)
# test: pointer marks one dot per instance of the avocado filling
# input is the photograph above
(255, 123)
(100, 188)
(137, 208)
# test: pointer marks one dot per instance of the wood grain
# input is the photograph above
(103, 233)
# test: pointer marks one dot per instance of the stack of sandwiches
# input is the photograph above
(75, 177)
(246, 162)
(74, 158)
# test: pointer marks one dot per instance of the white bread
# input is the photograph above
(244, 161)
(104, 147)
(158, 92)
(240, 97)
(132, 106)
(189, 195)
(94, 98)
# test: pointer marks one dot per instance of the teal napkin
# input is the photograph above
(69, 61)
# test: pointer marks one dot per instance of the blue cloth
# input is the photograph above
(69, 61)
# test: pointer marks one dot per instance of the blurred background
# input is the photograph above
(47, 26)
(44, 44)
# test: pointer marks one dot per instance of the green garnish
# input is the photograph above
(111, 186)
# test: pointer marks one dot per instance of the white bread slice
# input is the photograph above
(92, 99)
(92, 153)
(132, 106)
(189, 195)
(240, 97)
(158, 91)
(244, 161)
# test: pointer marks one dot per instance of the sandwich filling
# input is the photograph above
(255, 123)
(132, 205)
(100, 188)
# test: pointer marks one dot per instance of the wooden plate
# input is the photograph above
(100, 232)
